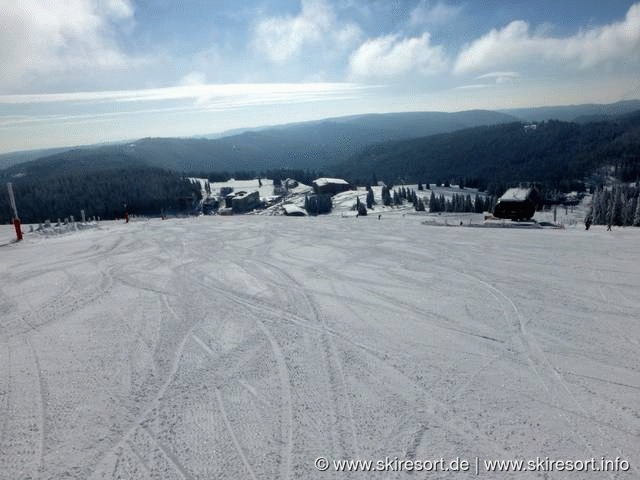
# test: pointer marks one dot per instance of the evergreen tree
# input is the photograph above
(632, 206)
(636, 216)
(478, 204)
(386, 196)
(468, 204)
(618, 206)
(490, 203)
(370, 199)
(420, 187)
(603, 204)
(397, 199)
(613, 208)
(596, 216)
(628, 207)
(433, 203)
(360, 207)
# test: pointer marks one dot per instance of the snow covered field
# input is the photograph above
(246, 347)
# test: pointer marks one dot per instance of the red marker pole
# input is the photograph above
(16, 224)
(16, 220)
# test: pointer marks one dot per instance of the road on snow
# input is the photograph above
(247, 347)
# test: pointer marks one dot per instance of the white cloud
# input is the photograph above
(516, 44)
(496, 78)
(281, 38)
(424, 14)
(499, 77)
(40, 36)
(475, 86)
(346, 37)
(121, 9)
(391, 56)
(193, 79)
(255, 92)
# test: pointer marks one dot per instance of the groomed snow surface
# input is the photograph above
(246, 347)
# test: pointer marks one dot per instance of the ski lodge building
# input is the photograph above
(330, 186)
(242, 202)
(517, 204)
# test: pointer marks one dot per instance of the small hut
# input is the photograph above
(330, 186)
(291, 210)
(517, 204)
(243, 202)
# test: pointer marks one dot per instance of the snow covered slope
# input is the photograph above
(247, 347)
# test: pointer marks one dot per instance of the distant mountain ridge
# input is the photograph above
(314, 145)
(575, 113)
(308, 145)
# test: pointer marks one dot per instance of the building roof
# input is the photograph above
(291, 209)
(516, 195)
(243, 195)
(329, 181)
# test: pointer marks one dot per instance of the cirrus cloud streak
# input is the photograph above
(198, 93)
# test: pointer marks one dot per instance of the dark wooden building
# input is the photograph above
(330, 186)
(517, 204)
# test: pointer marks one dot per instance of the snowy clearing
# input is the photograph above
(248, 346)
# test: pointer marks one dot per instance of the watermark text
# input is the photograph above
(475, 465)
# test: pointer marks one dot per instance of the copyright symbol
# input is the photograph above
(322, 464)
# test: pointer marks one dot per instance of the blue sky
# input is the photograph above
(88, 71)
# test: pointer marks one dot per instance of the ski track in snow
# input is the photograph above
(246, 347)
(550, 379)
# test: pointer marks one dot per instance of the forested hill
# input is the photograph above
(576, 113)
(74, 162)
(308, 145)
(105, 193)
(552, 153)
